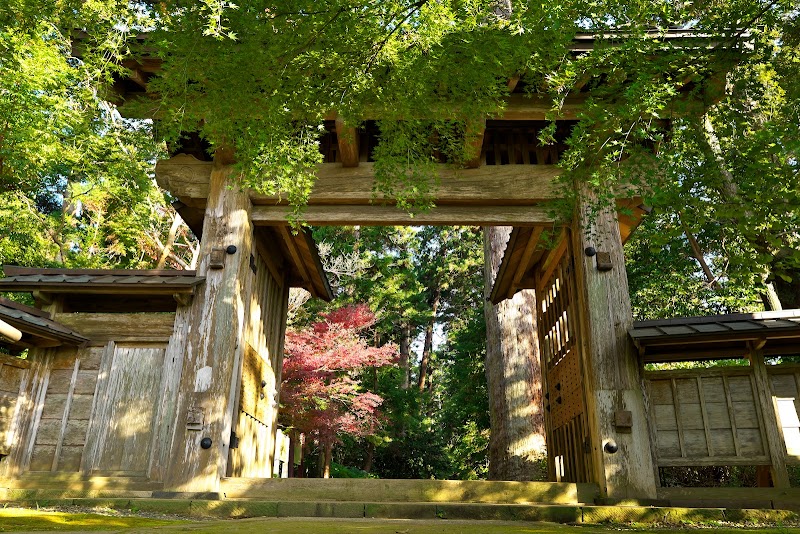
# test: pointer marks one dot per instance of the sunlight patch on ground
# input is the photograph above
(21, 519)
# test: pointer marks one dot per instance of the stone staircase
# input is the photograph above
(395, 499)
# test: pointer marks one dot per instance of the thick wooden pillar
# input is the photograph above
(615, 393)
(211, 342)
(776, 447)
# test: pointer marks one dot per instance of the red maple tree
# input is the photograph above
(321, 395)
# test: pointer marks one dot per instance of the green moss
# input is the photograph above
(21, 519)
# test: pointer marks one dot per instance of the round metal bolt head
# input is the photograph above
(205, 443)
(231, 249)
(611, 446)
(590, 251)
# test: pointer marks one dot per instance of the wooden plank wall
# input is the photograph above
(91, 409)
(707, 417)
(13, 375)
(62, 408)
(255, 424)
(122, 434)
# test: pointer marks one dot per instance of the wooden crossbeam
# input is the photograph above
(377, 215)
(519, 107)
(187, 178)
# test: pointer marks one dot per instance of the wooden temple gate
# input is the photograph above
(221, 359)
(225, 322)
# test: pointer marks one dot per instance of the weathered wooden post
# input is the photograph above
(776, 448)
(212, 345)
(615, 396)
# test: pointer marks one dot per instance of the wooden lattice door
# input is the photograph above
(568, 445)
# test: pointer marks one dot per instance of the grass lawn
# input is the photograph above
(19, 519)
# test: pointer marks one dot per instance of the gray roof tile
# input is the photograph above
(786, 323)
(33, 322)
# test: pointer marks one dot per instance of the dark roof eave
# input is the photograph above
(322, 285)
(715, 332)
(69, 337)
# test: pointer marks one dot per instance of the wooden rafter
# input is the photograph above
(527, 254)
(551, 261)
(295, 255)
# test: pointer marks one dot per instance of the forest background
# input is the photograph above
(77, 188)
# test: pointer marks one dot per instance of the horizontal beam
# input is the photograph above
(377, 215)
(518, 107)
(9, 332)
(188, 179)
(713, 460)
(66, 288)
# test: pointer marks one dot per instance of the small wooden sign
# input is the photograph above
(604, 261)
(194, 418)
(217, 260)
(623, 420)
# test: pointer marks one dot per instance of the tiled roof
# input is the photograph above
(718, 336)
(37, 323)
(98, 280)
(764, 323)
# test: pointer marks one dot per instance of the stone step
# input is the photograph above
(81, 483)
(434, 491)
(236, 509)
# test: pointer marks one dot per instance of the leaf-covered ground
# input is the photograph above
(25, 520)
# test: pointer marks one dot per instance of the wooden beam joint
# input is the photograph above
(348, 144)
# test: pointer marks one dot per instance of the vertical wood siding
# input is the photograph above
(257, 406)
(94, 410)
(707, 417)
(13, 381)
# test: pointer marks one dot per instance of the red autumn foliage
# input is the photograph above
(320, 394)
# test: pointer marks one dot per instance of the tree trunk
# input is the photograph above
(697, 251)
(370, 457)
(326, 470)
(778, 294)
(290, 467)
(770, 298)
(788, 292)
(427, 348)
(301, 469)
(517, 442)
(405, 354)
(167, 248)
